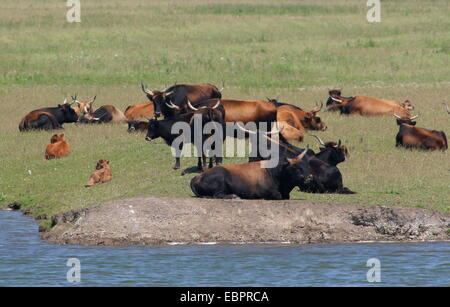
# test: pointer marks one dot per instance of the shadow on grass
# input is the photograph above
(191, 170)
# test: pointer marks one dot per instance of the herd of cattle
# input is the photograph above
(297, 167)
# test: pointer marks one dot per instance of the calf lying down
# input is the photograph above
(101, 174)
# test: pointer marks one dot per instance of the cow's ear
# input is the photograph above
(322, 148)
(107, 161)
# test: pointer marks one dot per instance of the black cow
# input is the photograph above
(49, 118)
(163, 129)
(173, 100)
(251, 180)
(325, 176)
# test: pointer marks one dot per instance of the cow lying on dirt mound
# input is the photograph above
(251, 180)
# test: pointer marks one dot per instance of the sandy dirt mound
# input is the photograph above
(157, 221)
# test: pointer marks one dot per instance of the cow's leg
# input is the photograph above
(177, 163)
(210, 164)
(222, 195)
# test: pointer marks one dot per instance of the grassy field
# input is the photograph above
(291, 49)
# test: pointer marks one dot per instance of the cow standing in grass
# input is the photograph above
(163, 128)
(173, 100)
(412, 137)
(58, 147)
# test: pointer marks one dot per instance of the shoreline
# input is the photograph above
(184, 221)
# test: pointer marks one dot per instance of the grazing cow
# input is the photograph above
(83, 107)
(297, 120)
(413, 137)
(57, 148)
(104, 114)
(251, 180)
(173, 100)
(139, 111)
(101, 174)
(49, 118)
(163, 129)
(363, 105)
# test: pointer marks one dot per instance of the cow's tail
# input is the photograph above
(192, 184)
(345, 190)
(445, 139)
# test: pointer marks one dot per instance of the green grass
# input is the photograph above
(295, 50)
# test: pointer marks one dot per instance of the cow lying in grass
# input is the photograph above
(57, 148)
(101, 174)
(412, 137)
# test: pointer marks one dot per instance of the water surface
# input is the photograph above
(26, 260)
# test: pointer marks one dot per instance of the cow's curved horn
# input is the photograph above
(318, 138)
(93, 99)
(168, 94)
(447, 107)
(339, 143)
(217, 104)
(65, 100)
(145, 90)
(397, 116)
(414, 117)
(317, 108)
(337, 100)
(191, 106)
(300, 156)
(245, 130)
(172, 106)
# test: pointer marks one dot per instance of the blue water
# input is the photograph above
(26, 260)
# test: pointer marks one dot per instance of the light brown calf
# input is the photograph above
(57, 148)
(101, 174)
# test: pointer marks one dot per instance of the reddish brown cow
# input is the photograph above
(57, 148)
(140, 110)
(101, 174)
(413, 137)
(363, 105)
(296, 121)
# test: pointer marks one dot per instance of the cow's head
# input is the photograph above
(57, 138)
(83, 107)
(312, 121)
(407, 105)
(152, 130)
(334, 153)
(405, 120)
(70, 116)
(297, 172)
(102, 164)
(135, 125)
(160, 99)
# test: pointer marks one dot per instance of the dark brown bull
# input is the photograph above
(413, 137)
(173, 100)
(363, 105)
